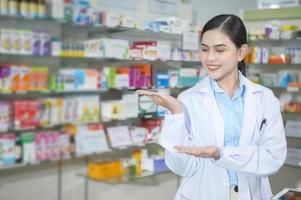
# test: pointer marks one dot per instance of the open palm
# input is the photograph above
(164, 100)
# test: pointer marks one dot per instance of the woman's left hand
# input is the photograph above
(205, 151)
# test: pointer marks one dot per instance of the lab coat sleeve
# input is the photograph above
(265, 157)
(176, 131)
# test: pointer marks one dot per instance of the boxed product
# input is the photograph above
(6, 40)
(64, 146)
(115, 48)
(45, 49)
(28, 147)
(130, 105)
(188, 77)
(140, 75)
(266, 4)
(105, 170)
(5, 79)
(110, 19)
(128, 21)
(110, 73)
(16, 42)
(26, 42)
(138, 135)
(111, 110)
(57, 9)
(147, 107)
(122, 79)
(90, 139)
(119, 136)
(26, 114)
(5, 116)
(154, 127)
(88, 109)
(7, 149)
(36, 43)
(162, 80)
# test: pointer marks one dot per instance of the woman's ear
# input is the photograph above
(242, 52)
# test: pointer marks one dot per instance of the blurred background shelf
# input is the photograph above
(126, 179)
(271, 14)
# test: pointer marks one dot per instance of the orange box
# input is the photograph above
(105, 170)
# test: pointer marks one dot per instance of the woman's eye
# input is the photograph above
(220, 50)
(204, 50)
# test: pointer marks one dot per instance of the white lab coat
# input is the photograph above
(261, 152)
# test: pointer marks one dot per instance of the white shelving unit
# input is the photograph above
(263, 18)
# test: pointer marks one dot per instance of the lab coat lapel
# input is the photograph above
(215, 116)
(249, 118)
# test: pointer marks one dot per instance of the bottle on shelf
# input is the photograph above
(13, 6)
(24, 8)
(33, 9)
(4, 7)
(41, 9)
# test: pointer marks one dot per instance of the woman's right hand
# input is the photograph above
(164, 100)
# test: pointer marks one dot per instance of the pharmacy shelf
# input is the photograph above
(274, 66)
(272, 42)
(27, 19)
(11, 58)
(271, 14)
(46, 128)
(292, 135)
(74, 157)
(32, 95)
(118, 93)
(292, 90)
(95, 29)
(288, 115)
(126, 179)
(298, 165)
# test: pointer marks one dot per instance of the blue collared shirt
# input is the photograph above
(232, 113)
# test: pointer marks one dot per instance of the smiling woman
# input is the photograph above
(225, 135)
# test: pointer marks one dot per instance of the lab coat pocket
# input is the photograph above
(258, 132)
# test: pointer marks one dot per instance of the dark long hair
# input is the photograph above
(234, 28)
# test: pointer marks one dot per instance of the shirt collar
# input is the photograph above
(238, 92)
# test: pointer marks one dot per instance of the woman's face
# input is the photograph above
(219, 55)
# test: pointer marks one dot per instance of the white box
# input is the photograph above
(16, 42)
(57, 9)
(122, 81)
(266, 4)
(163, 50)
(115, 48)
(130, 105)
(119, 136)
(110, 19)
(190, 41)
(264, 55)
(128, 21)
(26, 42)
(90, 139)
(6, 40)
(138, 134)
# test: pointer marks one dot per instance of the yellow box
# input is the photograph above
(105, 170)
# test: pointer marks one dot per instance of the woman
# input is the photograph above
(225, 135)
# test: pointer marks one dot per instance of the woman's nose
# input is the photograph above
(211, 56)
